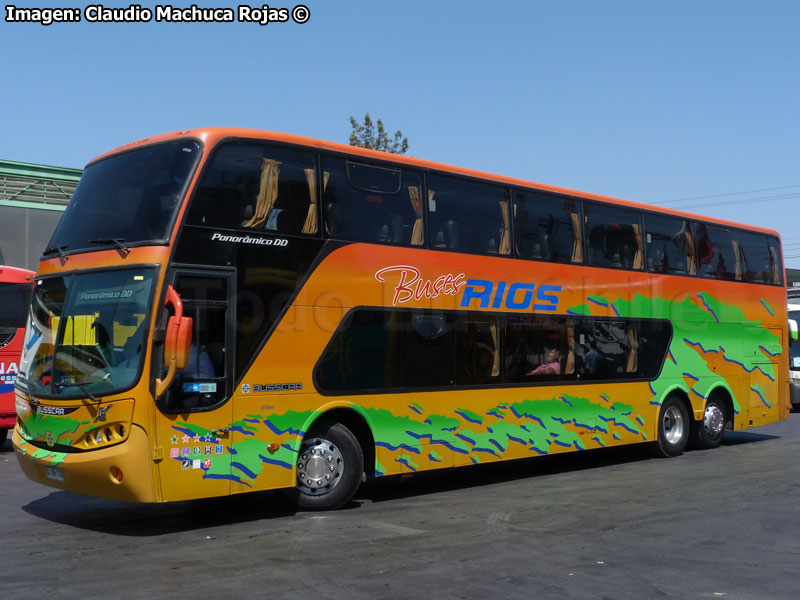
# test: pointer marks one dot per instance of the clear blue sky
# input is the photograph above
(650, 101)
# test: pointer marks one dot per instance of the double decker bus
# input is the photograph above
(223, 311)
(15, 297)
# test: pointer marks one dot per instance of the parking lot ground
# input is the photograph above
(613, 523)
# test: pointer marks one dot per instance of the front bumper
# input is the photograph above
(93, 472)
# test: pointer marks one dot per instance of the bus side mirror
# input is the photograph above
(177, 343)
(793, 330)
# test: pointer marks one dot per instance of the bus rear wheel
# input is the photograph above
(673, 428)
(708, 433)
(329, 467)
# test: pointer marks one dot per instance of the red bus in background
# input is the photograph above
(15, 296)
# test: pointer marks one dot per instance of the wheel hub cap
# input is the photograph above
(713, 420)
(319, 467)
(673, 425)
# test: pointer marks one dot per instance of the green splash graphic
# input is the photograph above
(536, 426)
(39, 454)
(63, 429)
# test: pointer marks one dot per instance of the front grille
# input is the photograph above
(6, 335)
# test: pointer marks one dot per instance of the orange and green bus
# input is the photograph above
(225, 310)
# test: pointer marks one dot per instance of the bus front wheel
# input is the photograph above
(329, 467)
(673, 428)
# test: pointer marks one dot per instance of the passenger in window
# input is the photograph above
(594, 361)
(551, 366)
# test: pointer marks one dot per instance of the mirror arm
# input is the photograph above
(170, 358)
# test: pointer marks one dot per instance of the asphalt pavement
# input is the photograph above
(615, 523)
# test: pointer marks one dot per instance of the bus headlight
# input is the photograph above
(22, 407)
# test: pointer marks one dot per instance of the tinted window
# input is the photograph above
(478, 349)
(761, 254)
(669, 245)
(376, 350)
(606, 349)
(130, 197)
(15, 300)
(371, 203)
(430, 350)
(365, 354)
(468, 216)
(717, 252)
(536, 349)
(613, 237)
(259, 188)
(547, 228)
(620, 349)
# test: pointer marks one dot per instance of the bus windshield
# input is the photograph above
(86, 333)
(127, 199)
(14, 301)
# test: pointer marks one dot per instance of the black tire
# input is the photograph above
(3, 436)
(329, 467)
(673, 428)
(708, 432)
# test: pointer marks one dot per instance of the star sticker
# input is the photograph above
(197, 438)
(185, 439)
(174, 439)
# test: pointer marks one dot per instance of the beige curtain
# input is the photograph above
(325, 177)
(496, 342)
(638, 258)
(310, 226)
(416, 204)
(577, 246)
(776, 274)
(505, 238)
(267, 193)
(569, 366)
(631, 366)
(691, 261)
(738, 255)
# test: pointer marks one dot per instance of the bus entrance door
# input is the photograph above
(194, 420)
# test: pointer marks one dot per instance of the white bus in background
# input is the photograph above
(793, 298)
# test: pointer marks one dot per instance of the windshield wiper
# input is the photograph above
(83, 389)
(118, 242)
(59, 249)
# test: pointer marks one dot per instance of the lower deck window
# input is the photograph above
(377, 350)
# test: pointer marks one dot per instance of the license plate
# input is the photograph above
(54, 473)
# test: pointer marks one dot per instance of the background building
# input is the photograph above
(32, 199)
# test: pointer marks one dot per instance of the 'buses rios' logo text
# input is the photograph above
(480, 293)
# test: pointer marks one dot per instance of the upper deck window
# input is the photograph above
(258, 187)
(131, 198)
(547, 228)
(717, 252)
(670, 247)
(762, 263)
(613, 237)
(468, 216)
(366, 202)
